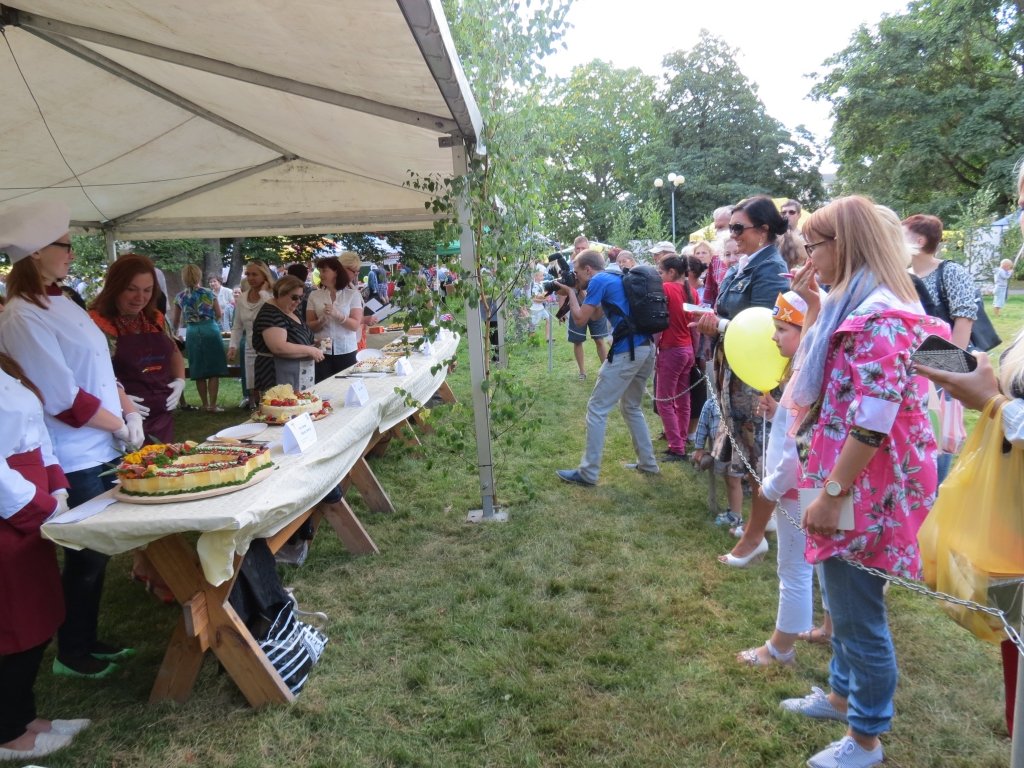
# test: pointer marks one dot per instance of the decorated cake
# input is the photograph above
(176, 468)
(383, 364)
(282, 403)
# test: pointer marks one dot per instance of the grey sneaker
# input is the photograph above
(846, 753)
(816, 705)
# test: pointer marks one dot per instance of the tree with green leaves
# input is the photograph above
(929, 107)
(723, 140)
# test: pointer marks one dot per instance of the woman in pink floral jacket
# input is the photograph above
(864, 411)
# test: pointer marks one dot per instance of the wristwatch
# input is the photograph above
(835, 489)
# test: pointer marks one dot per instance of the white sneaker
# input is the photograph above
(772, 526)
(846, 753)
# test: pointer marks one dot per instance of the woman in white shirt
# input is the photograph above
(62, 350)
(32, 487)
(335, 315)
(260, 291)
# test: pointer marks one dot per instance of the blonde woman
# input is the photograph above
(260, 287)
(204, 346)
(864, 412)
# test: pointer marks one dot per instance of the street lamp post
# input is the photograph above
(676, 180)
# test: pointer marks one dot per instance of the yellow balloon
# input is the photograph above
(750, 351)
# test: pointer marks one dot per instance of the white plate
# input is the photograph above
(368, 354)
(241, 432)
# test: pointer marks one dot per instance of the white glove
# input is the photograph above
(121, 433)
(136, 434)
(142, 409)
(61, 496)
(177, 387)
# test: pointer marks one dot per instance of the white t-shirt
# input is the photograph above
(347, 299)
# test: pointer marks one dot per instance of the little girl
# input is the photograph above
(782, 467)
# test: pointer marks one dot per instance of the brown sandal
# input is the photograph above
(816, 636)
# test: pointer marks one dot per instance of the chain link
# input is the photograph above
(1011, 632)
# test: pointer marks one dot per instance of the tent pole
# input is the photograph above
(1017, 744)
(477, 365)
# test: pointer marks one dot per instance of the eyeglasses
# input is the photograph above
(738, 229)
(295, 297)
(66, 246)
(809, 247)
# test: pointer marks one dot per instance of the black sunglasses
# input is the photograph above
(66, 246)
(296, 297)
(738, 229)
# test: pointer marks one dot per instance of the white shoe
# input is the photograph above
(46, 743)
(69, 727)
(742, 562)
(772, 526)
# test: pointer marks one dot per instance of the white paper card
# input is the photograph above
(426, 348)
(357, 395)
(386, 311)
(84, 511)
(846, 516)
(403, 367)
(299, 434)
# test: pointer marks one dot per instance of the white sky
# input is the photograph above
(779, 42)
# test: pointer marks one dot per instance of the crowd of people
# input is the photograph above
(82, 385)
(853, 463)
(846, 476)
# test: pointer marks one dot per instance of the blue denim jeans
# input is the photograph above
(863, 667)
(621, 381)
(83, 573)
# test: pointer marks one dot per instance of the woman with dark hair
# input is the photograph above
(334, 313)
(756, 281)
(67, 357)
(147, 362)
(203, 343)
(285, 353)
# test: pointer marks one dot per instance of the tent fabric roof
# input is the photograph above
(231, 118)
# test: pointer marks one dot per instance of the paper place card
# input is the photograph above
(426, 348)
(299, 434)
(84, 511)
(403, 367)
(357, 395)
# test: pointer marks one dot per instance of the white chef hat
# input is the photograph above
(25, 229)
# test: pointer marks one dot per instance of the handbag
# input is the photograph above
(292, 647)
(972, 542)
(983, 333)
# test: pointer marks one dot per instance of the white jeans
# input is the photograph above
(621, 381)
(796, 610)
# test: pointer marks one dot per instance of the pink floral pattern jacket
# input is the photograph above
(868, 383)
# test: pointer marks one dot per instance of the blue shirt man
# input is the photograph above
(620, 380)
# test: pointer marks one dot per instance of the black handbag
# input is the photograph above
(983, 334)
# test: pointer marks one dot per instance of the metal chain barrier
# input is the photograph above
(1011, 632)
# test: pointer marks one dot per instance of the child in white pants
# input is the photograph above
(782, 470)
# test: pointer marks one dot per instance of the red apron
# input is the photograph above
(142, 363)
(31, 597)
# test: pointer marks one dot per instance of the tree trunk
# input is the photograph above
(237, 263)
(213, 262)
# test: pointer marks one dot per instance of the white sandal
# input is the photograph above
(752, 658)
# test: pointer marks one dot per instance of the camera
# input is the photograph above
(561, 270)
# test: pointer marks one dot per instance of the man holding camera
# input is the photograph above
(578, 331)
(623, 379)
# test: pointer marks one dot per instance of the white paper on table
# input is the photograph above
(426, 348)
(357, 395)
(299, 434)
(403, 367)
(92, 507)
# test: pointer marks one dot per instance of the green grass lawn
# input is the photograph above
(595, 628)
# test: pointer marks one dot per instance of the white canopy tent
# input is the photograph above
(237, 118)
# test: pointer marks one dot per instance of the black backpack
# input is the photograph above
(648, 306)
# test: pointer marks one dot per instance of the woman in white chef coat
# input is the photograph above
(88, 416)
(32, 487)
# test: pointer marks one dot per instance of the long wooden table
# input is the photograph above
(201, 575)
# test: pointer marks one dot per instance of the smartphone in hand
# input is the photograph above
(936, 352)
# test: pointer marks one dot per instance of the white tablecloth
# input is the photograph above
(228, 523)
